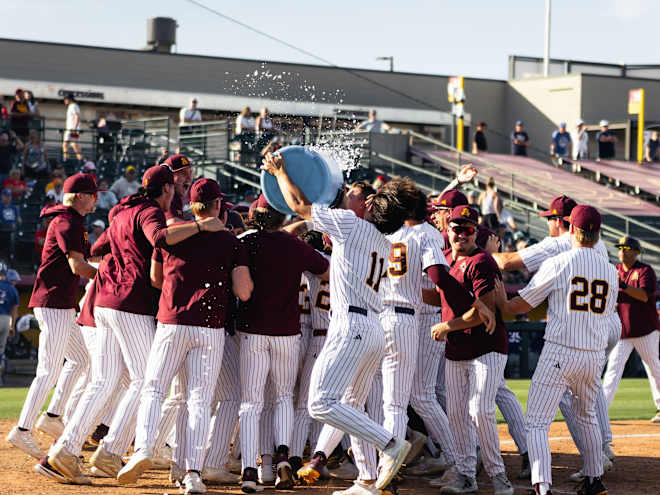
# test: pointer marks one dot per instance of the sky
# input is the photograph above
(471, 38)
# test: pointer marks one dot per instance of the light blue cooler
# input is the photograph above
(315, 173)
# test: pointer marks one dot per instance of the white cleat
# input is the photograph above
(138, 463)
(266, 474)
(214, 476)
(579, 476)
(192, 483)
(95, 472)
(501, 485)
(25, 441)
(346, 471)
(608, 465)
(445, 479)
(177, 474)
(53, 427)
(162, 458)
(607, 450)
(656, 418)
(430, 465)
(460, 484)
(417, 441)
(391, 460)
(359, 488)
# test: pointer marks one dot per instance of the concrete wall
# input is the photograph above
(606, 97)
(486, 100)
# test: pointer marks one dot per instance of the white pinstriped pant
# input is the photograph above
(261, 357)
(341, 380)
(196, 353)
(305, 426)
(122, 341)
(227, 400)
(60, 338)
(560, 367)
(423, 397)
(647, 348)
(472, 385)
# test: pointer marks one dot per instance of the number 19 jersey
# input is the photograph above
(582, 288)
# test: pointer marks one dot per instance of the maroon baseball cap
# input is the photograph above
(80, 183)
(449, 199)
(464, 214)
(177, 162)
(561, 206)
(585, 217)
(205, 191)
(157, 176)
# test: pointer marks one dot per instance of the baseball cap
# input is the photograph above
(630, 242)
(449, 199)
(13, 276)
(193, 99)
(177, 162)
(89, 165)
(562, 125)
(131, 168)
(18, 91)
(205, 191)
(98, 223)
(579, 122)
(519, 122)
(561, 206)
(80, 183)
(157, 176)
(464, 214)
(585, 217)
(604, 123)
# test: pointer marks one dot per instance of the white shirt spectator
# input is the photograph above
(188, 114)
(71, 111)
(244, 124)
(122, 187)
(580, 145)
(106, 200)
(55, 196)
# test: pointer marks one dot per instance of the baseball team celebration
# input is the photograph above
(381, 282)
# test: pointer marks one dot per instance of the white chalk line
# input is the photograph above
(631, 435)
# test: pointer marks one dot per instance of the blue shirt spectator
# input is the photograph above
(519, 140)
(8, 297)
(9, 215)
(561, 141)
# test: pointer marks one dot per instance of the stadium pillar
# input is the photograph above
(640, 128)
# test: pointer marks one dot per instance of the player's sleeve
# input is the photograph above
(602, 250)
(483, 274)
(13, 297)
(432, 246)
(102, 245)
(337, 223)
(313, 261)
(648, 280)
(69, 237)
(542, 283)
(532, 256)
(154, 227)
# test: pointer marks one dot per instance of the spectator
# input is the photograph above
(519, 140)
(606, 141)
(10, 144)
(126, 185)
(561, 142)
(35, 157)
(98, 226)
(72, 133)
(479, 143)
(372, 124)
(14, 184)
(8, 312)
(40, 236)
(248, 198)
(651, 151)
(10, 218)
(163, 156)
(491, 205)
(264, 128)
(189, 114)
(245, 133)
(32, 103)
(57, 173)
(89, 168)
(56, 194)
(4, 115)
(20, 116)
(106, 199)
(13, 277)
(580, 141)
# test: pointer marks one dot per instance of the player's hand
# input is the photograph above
(493, 244)
(439, 331)
(273, 163)
(211, 224)
(487, 316)
(500, 293)
(12, 332)
(467, 173)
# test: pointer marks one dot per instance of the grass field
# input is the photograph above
(632, 401)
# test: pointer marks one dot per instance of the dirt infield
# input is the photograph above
(636, 468)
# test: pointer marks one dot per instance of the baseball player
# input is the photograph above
(197, 276)
(475, 360)
(54, 302)
(581, 287)
(270, 339)
(355, 343)
(531, 257)
(124, 313)
(639, 322)
(8, 312)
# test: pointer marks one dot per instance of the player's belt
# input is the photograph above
(319, 332)
(405, 311)
(357, 309)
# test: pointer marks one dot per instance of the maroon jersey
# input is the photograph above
(197, 279)
(637, 318)
(20, 121)
(277, 261)
(125, 283)
(86, 316)
(477, 273)
(56, 286)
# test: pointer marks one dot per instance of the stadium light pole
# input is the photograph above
(391, 59)
(546, 56)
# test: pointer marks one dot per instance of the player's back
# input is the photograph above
(319, 299)
(582, 305)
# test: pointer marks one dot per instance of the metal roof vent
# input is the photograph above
(161, 34)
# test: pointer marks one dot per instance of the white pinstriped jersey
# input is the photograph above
(413, 250)
(535, 254)
(582, 290)
(427, 309)
(359, 258)
(319, 296)
(304, 301)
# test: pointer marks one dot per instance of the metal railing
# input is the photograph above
(205, 142)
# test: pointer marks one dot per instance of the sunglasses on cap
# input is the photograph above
(624, 248)
(463, 229)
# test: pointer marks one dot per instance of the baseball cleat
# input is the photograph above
(192, 483)
(284, 479)
(607, 464)
(162, 458)
(44, 468)
(577, 477)
(95, 472)
(69, 465)
(607, 450)
(214, 476)
(25, 441)
(265, 474)
(249, 483)
(525, 470)
(310, 472)
(107, 462)
(138, 463)
(430, 465)
(460, 484)
(98, 435)
(656, 418)
(501, 485)
(359, 488)
(176, 474)
(594, 487)
(417, 441)
(391, 460)
(346, 471)
(446, 479)
(53, 427)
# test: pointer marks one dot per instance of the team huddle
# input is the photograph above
(323, 331)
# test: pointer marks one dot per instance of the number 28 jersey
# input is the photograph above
(581, 287)
(359, 259)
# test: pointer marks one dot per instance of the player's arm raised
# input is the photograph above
(508, 261)
(515, 306)
(275, 165)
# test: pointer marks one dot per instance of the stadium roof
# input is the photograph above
(164, 79)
